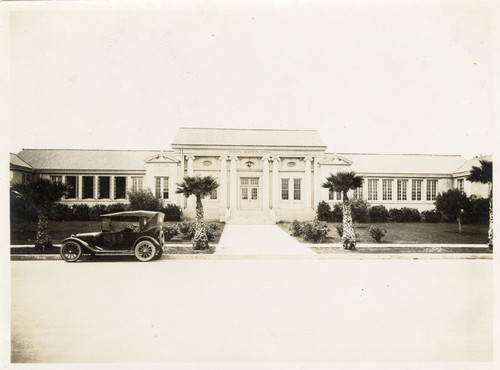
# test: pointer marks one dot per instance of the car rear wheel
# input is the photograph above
(145, 250)
(71, 251)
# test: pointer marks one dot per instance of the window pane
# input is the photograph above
(296, 189)
(254, 193)
(120, 187)
(165, 188)
(71, 181)
(358, 193)
(416, 190)
(284, 189)
(88, 187)
(402, 189)
(254, 181)
(244, 193)
(104, 187)
(431, 189)
(136, 183)
(372, 189)
(387, 190)
(57, 179)
(330, 194)
(158, 187)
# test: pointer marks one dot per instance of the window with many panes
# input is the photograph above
(402, 189)
(358, 193)
(161, 187)
(416, 189)
(386, 189)
(296, 189)
(103, 187)
(120, 187)
(56, 179)
(136, 183)
(431, 189)
(284, 189)
(72, 182)
(88, 187)
(334, 195)
(372, 189)
(460, 184)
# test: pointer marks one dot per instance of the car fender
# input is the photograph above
(81, 242)
(150, 238)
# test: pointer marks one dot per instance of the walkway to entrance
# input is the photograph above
(258, 240)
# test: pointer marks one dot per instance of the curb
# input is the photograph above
(335, 256)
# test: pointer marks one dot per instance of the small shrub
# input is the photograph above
(172, 212)
(377, 233)
(60, 212)
(404, 214)
(80, 212)
(144, 200)
(337, 214)
(116, 207)
(296, 228)
(169, 231)
(315, 231)
(431, 216)
(359, 210)
(188, 229)
(378, 214)
(323, 212)
(96, 211)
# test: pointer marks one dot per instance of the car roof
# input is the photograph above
(132, 214)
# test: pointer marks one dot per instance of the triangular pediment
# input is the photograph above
(336, 160)
(161, 158)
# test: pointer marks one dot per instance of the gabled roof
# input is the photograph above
(187, 136)
(403, 163)
(15, 161)
(75, 159)
(466, 167)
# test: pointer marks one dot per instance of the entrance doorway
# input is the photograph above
(249, 193)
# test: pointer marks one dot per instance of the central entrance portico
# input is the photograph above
(249, 193)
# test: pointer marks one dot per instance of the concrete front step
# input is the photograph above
(250, 217)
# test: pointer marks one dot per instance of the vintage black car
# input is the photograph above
(137, 232)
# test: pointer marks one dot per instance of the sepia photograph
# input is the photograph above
(249, 184)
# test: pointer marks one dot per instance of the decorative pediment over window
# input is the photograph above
(336, 160)
(161, 158)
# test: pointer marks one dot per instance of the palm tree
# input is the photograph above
(484, 175)
(200, 187)
(40, 194)
(343, 182)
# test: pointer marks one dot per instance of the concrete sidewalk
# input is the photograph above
(259, 240)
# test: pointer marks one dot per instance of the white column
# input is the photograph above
(233, 179)
(265, 183)
(80, 187)
(180, 197)
(223, 181)
(307, 183)
(96, 187)
(112, 187)
(190, 172)
(276, 183)
(317, 184)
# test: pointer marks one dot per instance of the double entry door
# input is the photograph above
(249, 193)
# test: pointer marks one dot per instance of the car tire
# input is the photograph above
(71, 251)
(145, 250)
(159, 253)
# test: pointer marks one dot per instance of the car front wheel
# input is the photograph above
(71, 251)
(145, 250)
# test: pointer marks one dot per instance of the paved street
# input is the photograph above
(252, 310)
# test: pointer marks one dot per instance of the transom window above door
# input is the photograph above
(249, 181)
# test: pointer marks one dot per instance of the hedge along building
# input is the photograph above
(264, 175)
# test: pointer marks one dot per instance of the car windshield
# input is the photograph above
(124, 223)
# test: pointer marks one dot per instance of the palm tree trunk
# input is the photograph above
(348, 235)
(490, 227)
(42, 232)
(200, 239)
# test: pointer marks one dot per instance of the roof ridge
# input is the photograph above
(244, 129)
(103, 150)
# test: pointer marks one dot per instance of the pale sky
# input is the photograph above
(378, 77)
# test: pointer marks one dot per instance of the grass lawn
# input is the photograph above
(413, 233)
(24, 233)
